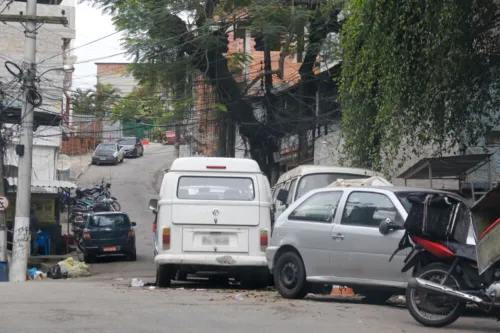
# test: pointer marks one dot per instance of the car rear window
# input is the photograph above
(319, 180)
(109, 221)
(129, 141)
(216, 188)
(106, 147)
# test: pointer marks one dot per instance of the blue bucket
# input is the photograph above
(4, 271)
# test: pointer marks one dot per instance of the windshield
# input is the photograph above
(127, 142)
(109, 221)
(216, 188)
(106, 147)
(320, 180)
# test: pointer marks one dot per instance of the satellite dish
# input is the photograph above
(63, 163)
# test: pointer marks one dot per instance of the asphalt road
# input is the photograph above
(106, 303)
(133, 182)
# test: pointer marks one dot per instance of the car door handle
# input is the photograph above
(338, 236)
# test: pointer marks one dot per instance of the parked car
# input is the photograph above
(106, 153)
(109, 234)
(296, 182)
(213, 218)
(132, 146)
(331, 236)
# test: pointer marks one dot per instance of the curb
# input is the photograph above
(83, 171)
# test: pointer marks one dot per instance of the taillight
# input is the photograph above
(86, 234)
(154, 227)
(222, 167)
(263, 239)
(131, 233)
(166, 238)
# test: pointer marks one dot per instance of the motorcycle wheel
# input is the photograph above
(434, 302)
(79, 243)
(116, 206)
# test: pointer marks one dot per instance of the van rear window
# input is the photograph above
(215, 188)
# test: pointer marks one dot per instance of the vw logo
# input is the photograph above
(215, 212)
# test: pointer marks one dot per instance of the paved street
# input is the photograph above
(106, 303)
(133, 183)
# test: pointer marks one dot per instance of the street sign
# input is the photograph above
(4, 203)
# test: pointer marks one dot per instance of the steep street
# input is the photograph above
(133, 183)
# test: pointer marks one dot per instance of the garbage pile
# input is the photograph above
(69, 268)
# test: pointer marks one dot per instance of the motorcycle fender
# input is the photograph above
(412, 259)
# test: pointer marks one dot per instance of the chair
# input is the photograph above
(44, 242)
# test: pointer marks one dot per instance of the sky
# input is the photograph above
(91, 25)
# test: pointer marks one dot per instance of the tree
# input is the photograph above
(96, 102)
(417, 73)
(168, 49)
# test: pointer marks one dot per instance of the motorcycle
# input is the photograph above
(447, 273)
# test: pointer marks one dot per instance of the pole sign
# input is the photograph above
(4, 203)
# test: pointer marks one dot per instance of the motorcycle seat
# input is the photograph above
(465, 251)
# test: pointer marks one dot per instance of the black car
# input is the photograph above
(132, 146)
(109, 234)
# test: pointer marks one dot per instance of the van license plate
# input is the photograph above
(110, 249)
(215, 240)
(103, 158)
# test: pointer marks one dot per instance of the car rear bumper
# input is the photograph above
(111, 159)
(130, 153)
(211, 260)
(99, 250)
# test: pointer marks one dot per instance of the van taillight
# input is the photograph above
(166, 238)
(263, 239)
(86, 234)
(154, 227)
(131, 233)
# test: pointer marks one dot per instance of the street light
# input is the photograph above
(67, 69)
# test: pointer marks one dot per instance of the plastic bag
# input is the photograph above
(137, 283)
(55, 273)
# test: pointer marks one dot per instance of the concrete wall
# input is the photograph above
(50, 42)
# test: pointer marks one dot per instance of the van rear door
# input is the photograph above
(216, 212)
(216, 201)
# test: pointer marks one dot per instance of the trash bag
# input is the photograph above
(55, 273)
(74, 268)
(32, 273)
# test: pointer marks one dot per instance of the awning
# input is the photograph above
(451, 167)
(43, 186)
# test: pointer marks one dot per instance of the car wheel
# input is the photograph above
(88, 258)
(116, 161)
(142, 152)
(163, 276)
(290, 276)
(132, 256)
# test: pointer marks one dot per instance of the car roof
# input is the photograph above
(303, 170)
(398, 189)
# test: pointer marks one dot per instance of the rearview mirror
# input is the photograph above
(153, 204)
(387, 226)
(134, 224)
(282, 195)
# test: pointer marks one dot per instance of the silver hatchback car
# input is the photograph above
(331, 236)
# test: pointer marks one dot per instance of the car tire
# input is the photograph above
(290, 276)
(163, 276)
(116, 161)
(132, 256)
(88, 258)
(142, 152)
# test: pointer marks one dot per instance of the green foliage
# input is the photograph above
(142, 104)
(96, 102)
(417, 73)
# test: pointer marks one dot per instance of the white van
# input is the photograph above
(295, 183)
(213, 217)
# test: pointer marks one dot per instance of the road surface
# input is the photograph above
(133, 183)
(106, 302)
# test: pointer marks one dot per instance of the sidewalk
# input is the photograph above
(79, 165)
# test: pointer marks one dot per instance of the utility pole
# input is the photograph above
(3, 222)
(177, 142)
(21, 241)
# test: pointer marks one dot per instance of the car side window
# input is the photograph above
(320, 207)
(291, 192)
(369, 209)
